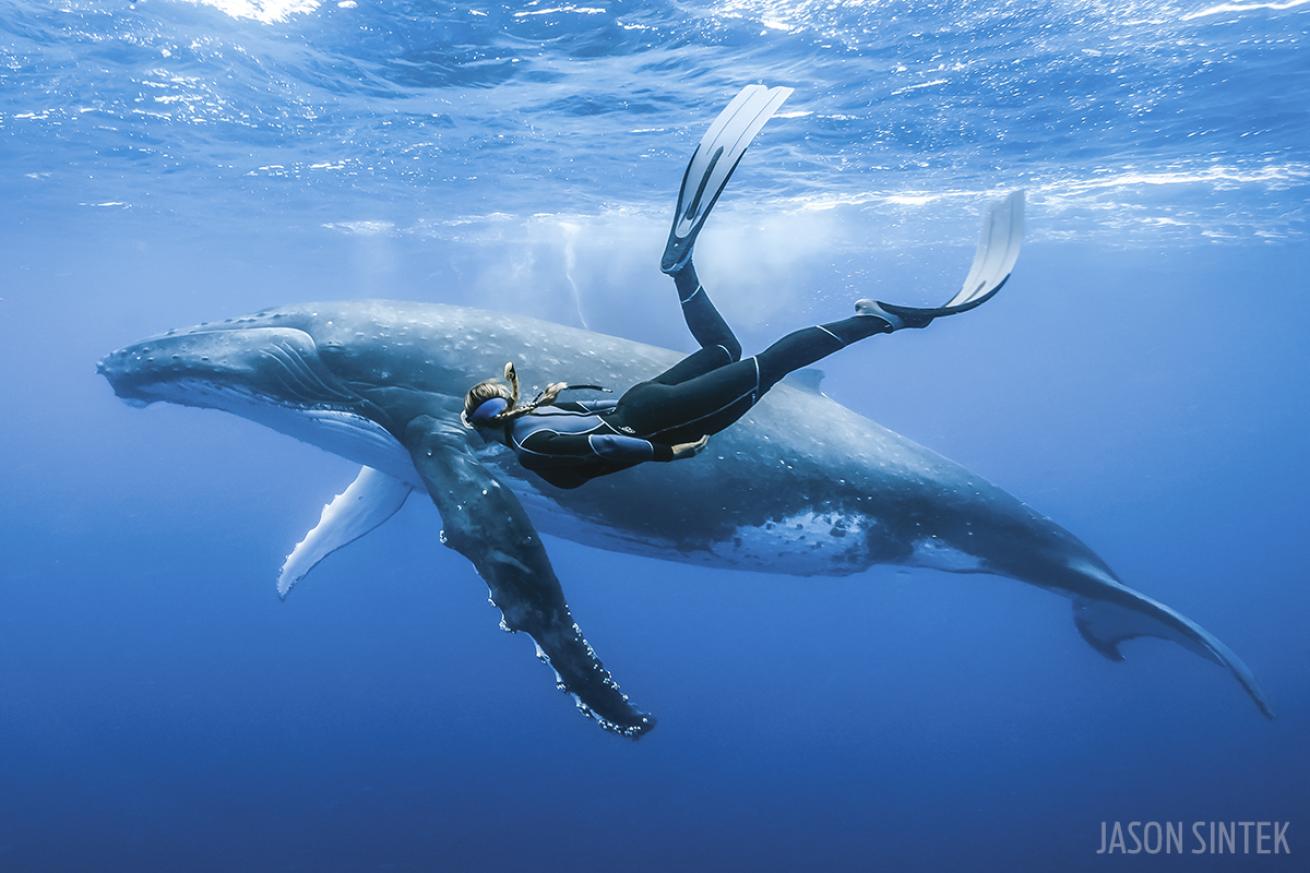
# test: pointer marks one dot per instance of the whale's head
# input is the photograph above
(226, 368)
(334, 377)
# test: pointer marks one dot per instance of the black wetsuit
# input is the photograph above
(570, 443)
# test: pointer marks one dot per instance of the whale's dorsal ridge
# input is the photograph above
(809, 379)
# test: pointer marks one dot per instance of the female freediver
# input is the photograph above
(673, 415)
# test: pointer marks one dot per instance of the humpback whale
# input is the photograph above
(800, 486)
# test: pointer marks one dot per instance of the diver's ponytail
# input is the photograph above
(514, 410)
(512, 377)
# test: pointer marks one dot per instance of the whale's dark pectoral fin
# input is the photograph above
(485, 523)
(1124, 614)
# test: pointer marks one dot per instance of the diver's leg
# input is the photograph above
(703, 319)
(687, 411)
(804, 347)
(718, 345)
(707, 173)
(698, 363)
(996, 256)
(711, 402)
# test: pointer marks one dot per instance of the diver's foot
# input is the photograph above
(873, 309)
(1002, 231)
(897, 317)
(870, 309)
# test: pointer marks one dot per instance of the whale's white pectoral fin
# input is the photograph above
(484, 522)
(369, 501)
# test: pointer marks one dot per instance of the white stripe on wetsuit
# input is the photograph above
(831, 334)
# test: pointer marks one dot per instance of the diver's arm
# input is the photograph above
(548, 448)
(586, 405)
(616, 447)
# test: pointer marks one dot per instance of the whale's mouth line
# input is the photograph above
(252, 403)
(197, 391)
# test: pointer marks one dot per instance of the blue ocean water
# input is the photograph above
(1141, 381)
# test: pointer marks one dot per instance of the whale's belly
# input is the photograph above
(803, 544)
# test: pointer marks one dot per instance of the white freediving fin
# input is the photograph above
(993, 261)
(711, 165)
(1123, 614)
(998, 250)
(369, 501)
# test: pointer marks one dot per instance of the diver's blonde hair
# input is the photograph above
(490, 389)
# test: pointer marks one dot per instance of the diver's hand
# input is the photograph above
(547, 397)
(690, 450)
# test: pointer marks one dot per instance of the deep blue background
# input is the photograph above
(1142, 381)
(162, 710)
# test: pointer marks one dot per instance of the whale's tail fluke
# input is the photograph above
(1113, 613)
